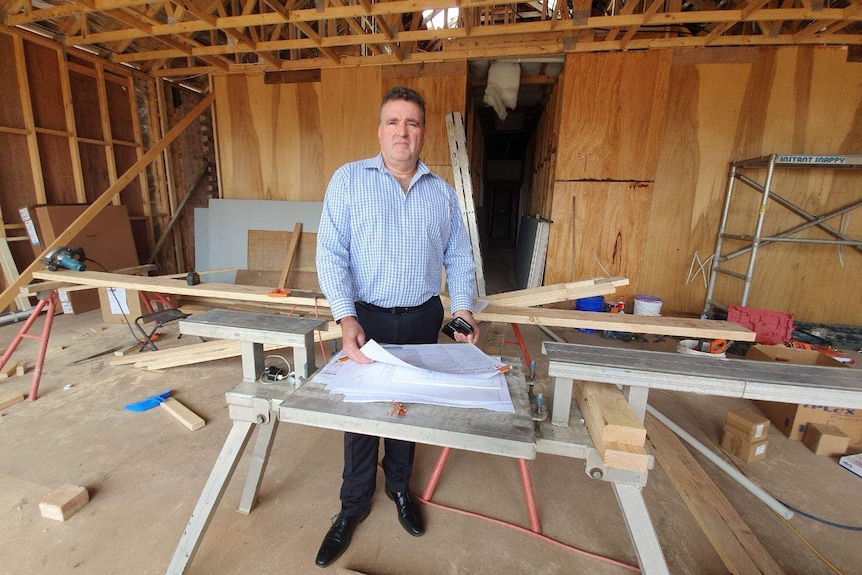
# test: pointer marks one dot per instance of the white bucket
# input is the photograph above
(690, 347)
(647, 305)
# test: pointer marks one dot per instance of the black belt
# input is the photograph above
(395, 310)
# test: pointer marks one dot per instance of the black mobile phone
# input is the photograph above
(457, 324)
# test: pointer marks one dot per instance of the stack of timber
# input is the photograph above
(616, 431)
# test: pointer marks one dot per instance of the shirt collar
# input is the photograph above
(376, 163)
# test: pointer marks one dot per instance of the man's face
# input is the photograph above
(401, 132)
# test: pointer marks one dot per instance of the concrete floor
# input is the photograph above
(144, 472)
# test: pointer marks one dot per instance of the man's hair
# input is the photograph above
(406, 94)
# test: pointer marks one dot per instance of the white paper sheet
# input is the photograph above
(391, 378)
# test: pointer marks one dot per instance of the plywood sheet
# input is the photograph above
(349, 115)
(125, 157)
(783, 101)
(267, 250)
(11, 115)
(610, 125)
(94, 167)
(270, 141)
(56, 168)
(85, 101)
(16, 177)
(598, 230)
(119, 112)
(442, 95)
(43, 74)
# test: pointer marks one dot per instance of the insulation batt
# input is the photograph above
(504, 78)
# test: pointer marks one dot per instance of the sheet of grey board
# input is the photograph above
(221, 230)
(772, 381)
(508, 434)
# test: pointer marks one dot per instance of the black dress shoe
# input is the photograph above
(408, 512)
(338, 537)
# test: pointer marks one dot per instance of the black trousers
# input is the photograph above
(417, 325)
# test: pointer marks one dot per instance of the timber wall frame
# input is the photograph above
(69, 124)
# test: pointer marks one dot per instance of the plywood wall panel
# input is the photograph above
(85, 101)
(57, 169)
(269, 139)
(284, 141)
(94, 169)
(16, 178)
(802, 100)
(43, 73)
(119, 112)
(442, 94)
(610, 125)
(349, 115)
(312, 179)
(598, 230)
(11, 115)
(131, 196)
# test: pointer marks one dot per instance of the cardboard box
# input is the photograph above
(107, 238)
(784, 354)
(79, 301)
(853, 463)
(121, 304)
(790, 418)
(825, 439)
(747, 451)
(748, 424)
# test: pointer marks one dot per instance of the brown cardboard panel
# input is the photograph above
(107, 239)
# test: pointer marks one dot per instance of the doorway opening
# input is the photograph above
(507, 164)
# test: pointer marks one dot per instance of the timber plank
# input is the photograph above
(558, 292)
(739, 549)
(608, 414)
(173, 286)
(673, 326)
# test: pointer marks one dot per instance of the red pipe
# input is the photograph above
(43, 347)
(435, 475)
(528, 494)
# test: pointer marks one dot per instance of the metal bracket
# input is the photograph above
(595, 469)
(254, 410)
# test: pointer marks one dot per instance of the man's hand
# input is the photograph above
(352, 338)
(468, 317)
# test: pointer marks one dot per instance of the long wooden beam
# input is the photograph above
(673, 326)
(13, 290)
(181, 287)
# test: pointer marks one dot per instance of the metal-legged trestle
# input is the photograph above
(526, 483)
(211, 496)
(51, 302)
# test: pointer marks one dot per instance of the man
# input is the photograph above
(388, 228)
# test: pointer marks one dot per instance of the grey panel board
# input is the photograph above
(221, 230)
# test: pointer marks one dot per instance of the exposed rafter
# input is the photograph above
(238, 35)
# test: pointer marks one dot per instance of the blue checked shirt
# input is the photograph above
(379, 245)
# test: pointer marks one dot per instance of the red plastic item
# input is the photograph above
(770, 327)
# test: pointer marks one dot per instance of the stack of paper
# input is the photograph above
(454, 375)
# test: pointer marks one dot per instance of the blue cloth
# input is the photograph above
(379, 245)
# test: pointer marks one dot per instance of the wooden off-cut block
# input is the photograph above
(63, 502)
(10, 398)
(183, 414)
